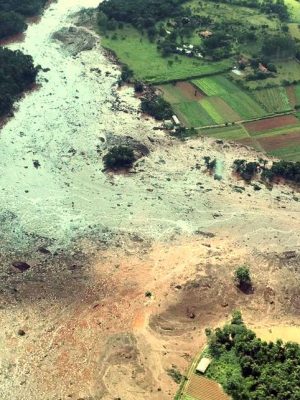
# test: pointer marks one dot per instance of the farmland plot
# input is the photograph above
(244, 105)
(193, 114)
(274, 100)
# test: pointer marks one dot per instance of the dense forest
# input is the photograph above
(13, 14)
(17, 73)
(250, 368)
(140, 13)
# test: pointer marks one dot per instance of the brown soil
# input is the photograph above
(102, 338)
(279, 141)
(271, 123)
(190, 91)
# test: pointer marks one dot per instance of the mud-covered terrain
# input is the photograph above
(109, 280)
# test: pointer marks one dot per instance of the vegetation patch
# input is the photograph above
(17, 73)
(143, 57)
(13, 14)
(119, 157)
(274, 100)
(244, 105)
(249, 368)
(192, 114)
(231, 132)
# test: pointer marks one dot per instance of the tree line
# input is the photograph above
(17, 73)
(141, 13)
(282, 169)
(13, 14)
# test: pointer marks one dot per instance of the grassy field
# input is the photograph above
(289, 153)
(244, 105)
(274, 100)
(236, 98)
(145, 60)
(215, 86)
(232, 132)
(193, 114)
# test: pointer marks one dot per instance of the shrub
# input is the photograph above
(119, 157)
(242, 276)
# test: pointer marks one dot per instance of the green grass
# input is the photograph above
(222, 368)
(215, 85)
(294, 8)
(289, 153)
(232, 132)
(244, 105)
(274, 100)
(209, 106)
(186, 397)
(193, 114)
(239, 100)
(142, 56)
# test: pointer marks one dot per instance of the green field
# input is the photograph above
(232, 132)
(274, 100)
(135, 50)
(193, 114)
(215, 85)
(289, 153)
(236, 98)
(243, 104)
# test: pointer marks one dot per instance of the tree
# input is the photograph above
(11, 23)
(119, 157)
(279, 46)
(242, 276)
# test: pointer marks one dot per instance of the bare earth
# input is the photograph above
(78, 323)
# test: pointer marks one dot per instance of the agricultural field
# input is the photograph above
(265, 125)
(149, 65)
(279, 136)
(237, 99)
(201, 388)
(232, 132)
(274, 100)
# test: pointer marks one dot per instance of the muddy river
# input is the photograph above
(61, 125)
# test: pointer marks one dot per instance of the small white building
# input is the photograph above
(176, 120)
(203, 365)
